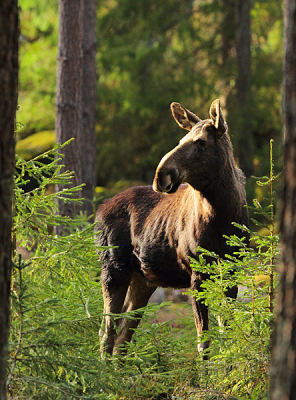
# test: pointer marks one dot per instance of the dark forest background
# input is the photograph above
(149, 54)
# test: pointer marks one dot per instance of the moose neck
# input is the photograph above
(225, 194)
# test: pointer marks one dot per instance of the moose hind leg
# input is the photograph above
(115, 286)
(200, 312)
(201, 318)
(137, 297)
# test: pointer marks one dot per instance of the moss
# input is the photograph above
(35, 144)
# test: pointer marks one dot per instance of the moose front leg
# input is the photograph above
(200, 312)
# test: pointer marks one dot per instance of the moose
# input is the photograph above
(150, 233)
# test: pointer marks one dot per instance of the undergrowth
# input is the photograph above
(56, 311)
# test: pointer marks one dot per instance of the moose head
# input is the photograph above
(205, 144)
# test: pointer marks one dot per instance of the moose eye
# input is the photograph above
(201, 143)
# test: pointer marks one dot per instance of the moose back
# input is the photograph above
(197, 194)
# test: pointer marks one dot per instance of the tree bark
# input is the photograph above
(283, 371)
(243, 87)
(9, 33)
(68, 98)
(228, 31)
(75, 103)
(88, 105)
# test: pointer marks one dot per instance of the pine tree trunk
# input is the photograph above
(283, 371)
(75, 103)
(88, 105)
(68, 99)
(243, 88)
(228, 31)
(9, 34)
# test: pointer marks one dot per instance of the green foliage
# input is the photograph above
(149, 54)
(57, 306)
(38, 53)
(240, 348)
(57, 309)
(152, 54)
(56, 302)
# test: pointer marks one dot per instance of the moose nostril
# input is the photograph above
(162, 183)
(168, 187)
(165, 180)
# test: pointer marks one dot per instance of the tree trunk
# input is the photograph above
(88, 105)
(228, 31)
(9, 34)
(240, 105)
(75, 103)
(68, 98)
(283, 372)
(243, 87)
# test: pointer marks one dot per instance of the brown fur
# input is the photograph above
(156, 231)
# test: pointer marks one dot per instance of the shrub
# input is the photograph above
(56, 310)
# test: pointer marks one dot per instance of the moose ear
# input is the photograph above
(217, 118)
(184, 118)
